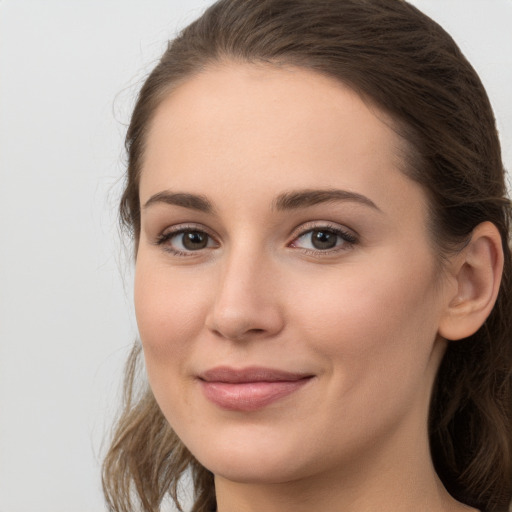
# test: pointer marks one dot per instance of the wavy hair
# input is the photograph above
(403, 62)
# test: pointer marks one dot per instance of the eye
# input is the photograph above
(186, 240)
(324, 239)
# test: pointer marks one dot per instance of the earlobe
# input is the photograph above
(477, 270)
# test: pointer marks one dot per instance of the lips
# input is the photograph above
(249, 389)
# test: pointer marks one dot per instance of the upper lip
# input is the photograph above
(250, 374)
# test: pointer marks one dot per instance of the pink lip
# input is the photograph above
(249, 389)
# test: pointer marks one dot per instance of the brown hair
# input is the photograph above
(408, 66)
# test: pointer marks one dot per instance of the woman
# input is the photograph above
(317, 200)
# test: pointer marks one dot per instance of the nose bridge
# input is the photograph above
(245, 303)
(242, 267)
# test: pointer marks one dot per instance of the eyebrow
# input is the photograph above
(192, 201)
(303, 198)
(292, 200)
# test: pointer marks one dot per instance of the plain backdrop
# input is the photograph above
(69, 72)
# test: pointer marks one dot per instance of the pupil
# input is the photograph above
(194, 240)
(324, 239)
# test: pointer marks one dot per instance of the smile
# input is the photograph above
(249, 389)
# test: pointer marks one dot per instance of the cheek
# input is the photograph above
(169, 309)
(371, 320)
(374, 331)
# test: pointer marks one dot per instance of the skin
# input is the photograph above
(363, 318)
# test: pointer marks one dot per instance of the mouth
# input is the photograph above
(249, 389)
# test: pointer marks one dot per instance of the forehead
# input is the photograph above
(261, 128)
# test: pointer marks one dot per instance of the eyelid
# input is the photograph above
(325, 224)
(186, 226)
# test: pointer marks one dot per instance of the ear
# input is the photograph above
(477, 271)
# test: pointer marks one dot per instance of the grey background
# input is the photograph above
(69, 71)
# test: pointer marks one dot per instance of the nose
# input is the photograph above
(246, 303)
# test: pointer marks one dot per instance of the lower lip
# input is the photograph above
(249, 396)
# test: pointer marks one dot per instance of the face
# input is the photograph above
(286, 290)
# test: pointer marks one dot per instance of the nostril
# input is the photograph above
(241, 335)
(244, 321)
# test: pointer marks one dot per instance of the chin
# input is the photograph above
(248, 471)
(249, 461)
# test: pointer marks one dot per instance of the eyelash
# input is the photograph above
(348, 238)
